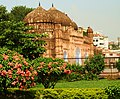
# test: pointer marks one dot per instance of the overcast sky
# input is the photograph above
(102, 15)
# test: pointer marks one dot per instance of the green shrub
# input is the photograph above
(118, 65)
(50, 70)
(113, 92)
(77, 73)
(60, 93)
(73, 93)
(15, 71)
(94, 66)
(18, 94)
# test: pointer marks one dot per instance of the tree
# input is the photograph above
(14, 37)
(4, 15)
(114, 46)
(19, 12)
(94, 66)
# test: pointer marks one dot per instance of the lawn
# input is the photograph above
(85, 84)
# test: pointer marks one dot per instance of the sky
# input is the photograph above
(102, 16)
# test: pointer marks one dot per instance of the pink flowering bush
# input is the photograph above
(15, 71)
(50, 71)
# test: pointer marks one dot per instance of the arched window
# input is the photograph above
(78, 56)
(65, 56)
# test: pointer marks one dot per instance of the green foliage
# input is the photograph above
(118, 65)
(61, 93)
(13, 36)
(113, 92)
(33, 46)
(114, 47)
(18, 13)
(4, 15)
(94, 66)
(50, 70)
(77, 73)
(85, 33)
(90, 71)
(15, 71)
(11, 33)
(18, 94)
(73, 93)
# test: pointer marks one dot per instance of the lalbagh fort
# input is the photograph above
(65, 39)
(44, 54)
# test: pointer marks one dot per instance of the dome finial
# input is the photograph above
(39, 3)
(52, 5)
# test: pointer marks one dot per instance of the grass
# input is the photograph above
(86, 84)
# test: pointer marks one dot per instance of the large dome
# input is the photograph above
(38, 15)
(89, 30)
(59, 17)
(52, 15)
(74, 25)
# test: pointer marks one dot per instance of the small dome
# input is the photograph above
(89, 30)
(38, 15)
(75, 25)
(59, 17)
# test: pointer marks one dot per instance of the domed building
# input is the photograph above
(66, 40)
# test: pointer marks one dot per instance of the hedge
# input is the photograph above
(111, 92)
(71, 93)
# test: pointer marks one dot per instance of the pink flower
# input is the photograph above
(55, 62)
(61, 68)
(22, 87)
(10, 64)
(20, 83)
(50, 63)
(64, 65)
(35, 72)
(27, 78)
(14, 83)
(1, 66)
(18, 71)
(16, 66)
(32, 78)
(28, 73)
(49, 66)
(31, 68)
(19, 65)
(10, 76)
(5, 57)
(42, 63)
(16, 57)
(9, 72)
(17, 78)
(22, 73)
(24, 80)
(32, 84)
(25, 63)
(67, 71)
(4, 73)
(40, 67)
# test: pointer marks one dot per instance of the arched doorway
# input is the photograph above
(78, 56)
(65, 56)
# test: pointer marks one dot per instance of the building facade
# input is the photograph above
(66, 39)
(100, 40)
